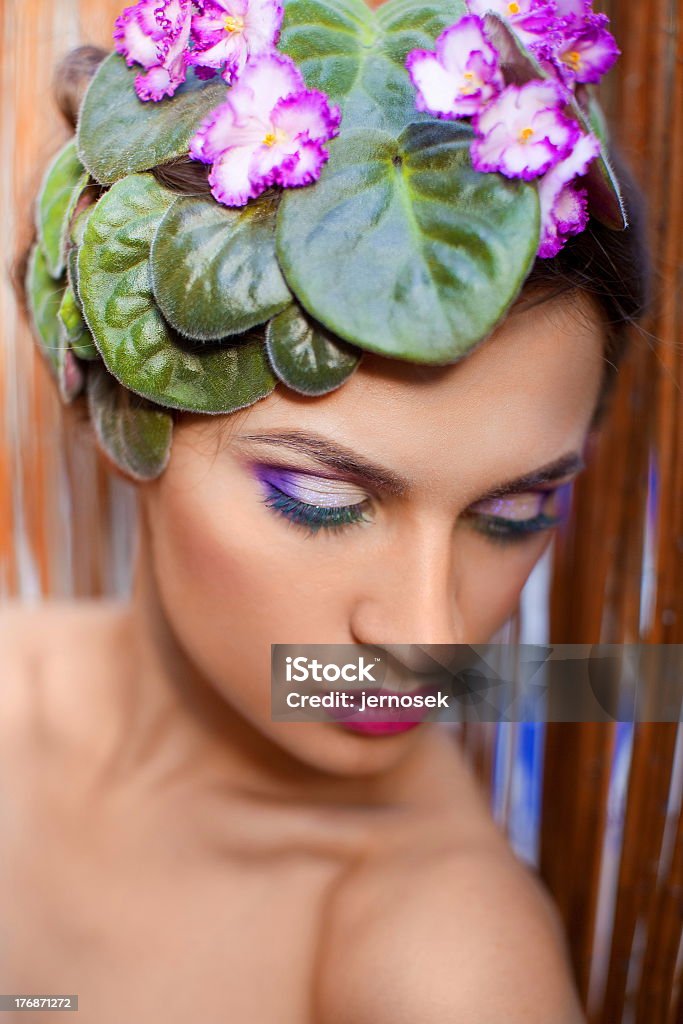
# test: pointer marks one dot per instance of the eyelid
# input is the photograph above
(312, 488)
(515, 507)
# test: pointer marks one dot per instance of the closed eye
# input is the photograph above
(312, 502)
(515, 517)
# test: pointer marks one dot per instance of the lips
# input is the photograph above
(378, 728)
(382, 721)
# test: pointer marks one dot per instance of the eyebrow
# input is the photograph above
(336, 456)
(567, 465)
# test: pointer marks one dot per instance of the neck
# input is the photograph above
(176, 726)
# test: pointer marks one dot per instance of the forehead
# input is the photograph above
(524, 398)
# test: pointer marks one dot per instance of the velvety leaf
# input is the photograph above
(79, 224)
(137, 345)
(44, 299)
(76, 330)
(135, 434)
(357, 55)
(62, 186)
(518, 64)
(605, 201)
(305, 356)
(427, 255)
(214, 270)
(76, 233)
(595, 115)
(118, 134)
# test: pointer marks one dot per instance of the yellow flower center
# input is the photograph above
(472, 84)
(573, 57)
(513, 8)
(525, 134)
(275, 137)
(233, 23)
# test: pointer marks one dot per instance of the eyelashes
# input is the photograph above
(319, 503)
(519, 516)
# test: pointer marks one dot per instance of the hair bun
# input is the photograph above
(72, 77)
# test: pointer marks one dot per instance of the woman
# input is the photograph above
(191, 847)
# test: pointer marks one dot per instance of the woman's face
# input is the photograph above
(407, 507)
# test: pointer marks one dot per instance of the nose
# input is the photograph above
(409, 595)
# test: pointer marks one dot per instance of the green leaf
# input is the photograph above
(118, 134)
(76, 330)
(594, 113)
(605, 201)
(214, 270)
(135, 434)
(79, 225)
(62, 186)
(428, 254)
(357, 55)
(305, 356)
(44, 299)
(75, 241)
(518, 64)
(137, 345)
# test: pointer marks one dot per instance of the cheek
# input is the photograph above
(490, 580)
(216, 583)
(234, 578)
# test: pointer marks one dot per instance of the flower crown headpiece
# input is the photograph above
(464, 142)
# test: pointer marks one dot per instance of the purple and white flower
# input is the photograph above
(564, 209)
(269, 131)
(523, 132)
(531, 20)
(226, 33)
(588, 50)
(461, 76)
(156, 35)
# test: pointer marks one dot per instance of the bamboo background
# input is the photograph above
(611, 834)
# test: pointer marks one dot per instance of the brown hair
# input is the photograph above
(612, 267)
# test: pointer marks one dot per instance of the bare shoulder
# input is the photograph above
(48, 661)
(454, 936)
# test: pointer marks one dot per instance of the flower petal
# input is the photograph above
(264, 19)
(563, 207)
(220, 132)
(230, 180)
(569, 216)
(155, 84)
(264, 81)
(589, 54)
(133, 43)
(155, 34)
(307, 113)
(456, 44)
(523, 131)
(461, 75)
(532, 20)
(305, 167)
